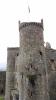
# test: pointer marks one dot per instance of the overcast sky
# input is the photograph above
(11, 11)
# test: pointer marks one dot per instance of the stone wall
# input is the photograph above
(51, 66)
(12, 53)
(31, 65)
(51, 70)
(2, 82)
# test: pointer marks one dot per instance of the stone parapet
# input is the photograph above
(25, 24)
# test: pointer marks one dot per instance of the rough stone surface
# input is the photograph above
(31, 72)
(10, 73)
(51, 66)
(2, 82)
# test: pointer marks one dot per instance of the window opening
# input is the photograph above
(52, 60)
(31, 65)
(31, 93)
(40, 53)
(2, 91)
(32, 79)
(17, 54)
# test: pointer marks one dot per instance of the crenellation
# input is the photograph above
(24, 24)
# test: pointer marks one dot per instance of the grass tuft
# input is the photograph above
(1, 98)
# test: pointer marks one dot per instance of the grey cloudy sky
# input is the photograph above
(11, 11)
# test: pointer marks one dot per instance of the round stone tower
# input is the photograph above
(32, 62)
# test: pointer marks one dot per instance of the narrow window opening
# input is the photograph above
(40, 53)
(11, 97)
(17, 54)
(31, 65)
(52, 60)
(17, 97)
(31, 93)
(2, 91)
(22, 75)
(32, 80)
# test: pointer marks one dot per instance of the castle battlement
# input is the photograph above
(12, 48)
(25, 24)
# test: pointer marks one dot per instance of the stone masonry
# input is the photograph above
(2, 82)
(31, 67)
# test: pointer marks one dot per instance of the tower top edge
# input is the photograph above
(12, 48)
(25, 24)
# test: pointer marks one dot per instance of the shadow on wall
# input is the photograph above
(52, 86)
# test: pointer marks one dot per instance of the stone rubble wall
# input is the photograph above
(10, 73)
(31, 63)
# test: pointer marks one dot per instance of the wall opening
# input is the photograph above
(2, 91)
(17, 54)
(52, 60)
(11, 97)
(16, 96)
(32, 82)
(40, 53)
(31, 79)
(31, 65)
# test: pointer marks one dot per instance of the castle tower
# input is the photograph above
(10, 73)
(32, 63)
